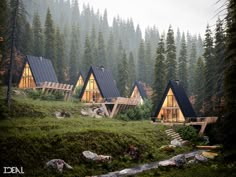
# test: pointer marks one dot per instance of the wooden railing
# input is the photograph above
(50, 87)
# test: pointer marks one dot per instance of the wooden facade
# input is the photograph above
(27, 79)
(92, 92)
(174, 105)
(136, 94)
(35, 71)
(79, 84)
(99, 86)
(170, 110)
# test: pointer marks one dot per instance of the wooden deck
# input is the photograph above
(201, 121)
(116, 105)
(51, 87)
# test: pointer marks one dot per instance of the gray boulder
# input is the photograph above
(179, 160)
(200, 158)
(58, 164)
(176, 143)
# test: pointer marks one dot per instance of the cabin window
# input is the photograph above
(92, 93)
(27, 80)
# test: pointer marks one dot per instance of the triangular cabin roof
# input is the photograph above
(104, 80)
(181, 98)
(140, 89)
(41, 68)
(82, 74)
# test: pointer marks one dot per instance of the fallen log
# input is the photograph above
(209, 147)
(145, 167)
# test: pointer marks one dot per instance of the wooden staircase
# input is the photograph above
(171, 133)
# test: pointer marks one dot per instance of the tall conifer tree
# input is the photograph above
(141, 62)
(182, 67)
(220, 48)
(132, 69)
(123, 76)
(87, 58)
(60, 55)
(209, 71)
(170, 55)
(198, 86)
(49, 38)
(160, 72)
(37, 36)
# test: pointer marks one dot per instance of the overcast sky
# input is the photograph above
(188, 15)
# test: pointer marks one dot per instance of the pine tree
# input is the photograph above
(74, 55)
(178, 43)
(199, 85)
(87, 59)
(182, 67)
(101, 50)
(141, 62)
(37, 36)
(149, 64)
(160, 72)
(110, 53)
(49, 39)
(27, 37)
(191, 66)
(209, 71)
(123, 76)
(229, 121)
(93, 41)
(119, 54)
(170, 55)
(219, 57)
(4, 11)
(131, 69)
(60, 55)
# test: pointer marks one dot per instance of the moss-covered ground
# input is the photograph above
(33, 136)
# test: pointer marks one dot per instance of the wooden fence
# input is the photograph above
(52, 87)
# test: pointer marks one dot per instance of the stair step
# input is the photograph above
(175, 137)
(173, 134)
(168, 130)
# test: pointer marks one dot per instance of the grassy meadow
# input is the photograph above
(32, 136)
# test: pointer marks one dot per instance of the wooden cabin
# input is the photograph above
(174, 105)
(99, 86)
(35, 71)
(138, 91)
(80, 81)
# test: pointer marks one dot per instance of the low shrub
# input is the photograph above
(187, 132)
(34, 94)
(37, 94)
(140, 112)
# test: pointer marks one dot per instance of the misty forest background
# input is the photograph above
(75, 36)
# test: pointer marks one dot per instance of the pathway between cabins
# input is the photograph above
(145, 167)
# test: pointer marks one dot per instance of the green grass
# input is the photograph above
(33, 136)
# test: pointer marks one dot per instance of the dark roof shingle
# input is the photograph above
(42, 69)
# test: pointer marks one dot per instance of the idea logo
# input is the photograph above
(13, 170)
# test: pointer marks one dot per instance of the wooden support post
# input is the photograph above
(114, 109)
(105, 109)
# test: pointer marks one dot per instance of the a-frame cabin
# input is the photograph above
(80, 81)
(138, 92)
(174, 105)
(35, 71)
(99, 86)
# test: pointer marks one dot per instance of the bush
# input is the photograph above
(187, 132)
(34, 94)
(140, 112)
(77, 92)
(37, 94)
